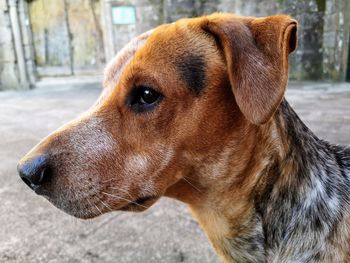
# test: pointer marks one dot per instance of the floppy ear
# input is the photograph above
(256, 52)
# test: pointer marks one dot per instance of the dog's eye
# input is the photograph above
(144, 98)
(148, 96)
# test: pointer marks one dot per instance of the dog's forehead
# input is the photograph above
(116, 66)
(179, 46)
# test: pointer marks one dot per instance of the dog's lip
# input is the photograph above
(139, 202)
(39, 190)
(142, 200)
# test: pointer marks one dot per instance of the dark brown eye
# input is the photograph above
(144, 99)
(148, 96)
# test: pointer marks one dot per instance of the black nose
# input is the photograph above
(34, 171)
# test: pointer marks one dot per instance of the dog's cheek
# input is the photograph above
(146, 171)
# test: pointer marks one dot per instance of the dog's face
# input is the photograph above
(176, 93)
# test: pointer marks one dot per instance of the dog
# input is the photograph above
(195, 111)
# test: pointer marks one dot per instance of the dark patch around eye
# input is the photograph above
(192, 70)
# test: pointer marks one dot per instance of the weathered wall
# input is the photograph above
(336, 39)
(323, 35)
(67, 33)
(306, 62)
(17, 70)
(90, 38)
(149, 14)
(50, 33)
(27, 41)
(8, 69)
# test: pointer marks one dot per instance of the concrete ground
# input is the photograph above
(32, 230)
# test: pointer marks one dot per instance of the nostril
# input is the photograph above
(45, 175)
(41, 176)
(34, 171)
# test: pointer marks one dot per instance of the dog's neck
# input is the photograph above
(278, 198)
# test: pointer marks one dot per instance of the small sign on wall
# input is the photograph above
(123, 15)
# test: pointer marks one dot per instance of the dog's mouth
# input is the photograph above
(94, 205)
(140, 204)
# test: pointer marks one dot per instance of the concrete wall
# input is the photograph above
(149, 14)
(27, 42)
(323, 34)
(17, 69)
(8, 68)
(336, 39)
(67, 33)
(307, 61)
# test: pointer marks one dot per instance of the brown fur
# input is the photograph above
(218, 143)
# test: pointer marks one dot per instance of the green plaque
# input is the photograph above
(123, 15)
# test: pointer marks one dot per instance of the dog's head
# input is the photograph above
(173, 97)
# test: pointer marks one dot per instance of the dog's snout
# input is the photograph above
(34, 171)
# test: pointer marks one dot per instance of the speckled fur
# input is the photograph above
(306, 197)
(223, 140)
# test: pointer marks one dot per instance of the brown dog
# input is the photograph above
(194, 110)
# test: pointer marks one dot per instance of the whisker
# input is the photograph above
(94, 206)
(107, 206)
(188, 181)
(109, 180)
(98, 209)
(118, 197)
(122, 190)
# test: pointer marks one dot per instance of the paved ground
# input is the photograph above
(32, 230)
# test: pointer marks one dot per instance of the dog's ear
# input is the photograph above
(256, 52)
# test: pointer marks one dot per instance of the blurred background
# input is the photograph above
(52, 54)
(46, 38)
